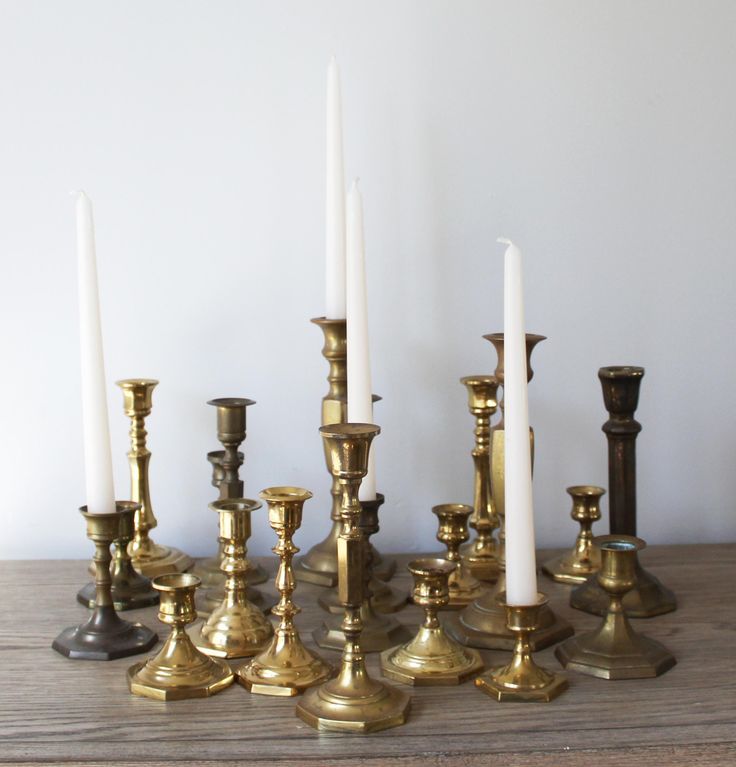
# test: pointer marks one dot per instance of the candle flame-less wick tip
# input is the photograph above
(504, 241)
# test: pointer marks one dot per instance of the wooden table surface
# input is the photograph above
(59, 711)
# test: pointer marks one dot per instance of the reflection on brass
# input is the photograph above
(286, 667)
(105, 636)
(584, 559)
(236, 628)
(179, 670)
(453, 530)
(522, 680)
(431, 657)
(352, 701)
(614, 650)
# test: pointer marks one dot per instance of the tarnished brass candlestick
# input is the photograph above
(522, 680)
(179, 670)
(481, 555)
(319, 564)
(579, 564)
(286, 667)
(431, 657)
(105, 636)
(236, 628)
(614, 650)
(453, 530)
(352, 701)
(649, 597)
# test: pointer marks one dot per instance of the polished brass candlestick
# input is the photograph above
(286, 667)
(453, 531)
(579, 564)
(522, 680)
(353, 701)
(179, 670)
(649, 597)
(431, 657)
(236, 628)
(614, 650)
(105, 636)
(481, 555)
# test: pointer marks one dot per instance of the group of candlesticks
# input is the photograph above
(468, 580)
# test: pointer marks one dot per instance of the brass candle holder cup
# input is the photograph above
(614, 650)
(105, 636)
(179, 670)
(431, 657)
(352, 701)
(579, 564)
(286, 667)
(236, 628)
(522, 680)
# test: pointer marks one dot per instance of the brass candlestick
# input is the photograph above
(431, 657)
(236, 628)
(614, 650)
(621, 396)
(481, 555)
(319, 564)
(179, 670)
(453, 530)
(522, 680)
(584, 559)
(286, 667)
(353, 701)
(105, 636)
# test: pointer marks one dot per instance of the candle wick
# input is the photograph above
(504, 241)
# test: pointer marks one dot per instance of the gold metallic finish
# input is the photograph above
(236, 628)
(105, 636)
(614, 650)
(584, 559)
(431, 657)
(352, 701)
(522, 680)
(286, 667)
(179, 670)
(453, 530)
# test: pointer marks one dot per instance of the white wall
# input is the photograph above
(598, 135)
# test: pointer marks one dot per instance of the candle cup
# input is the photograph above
(522, 680)
(431, 657)
(353, 701)
(105, 636)
(179, 671)
(614, 650)
(286, 667)
(579, 564)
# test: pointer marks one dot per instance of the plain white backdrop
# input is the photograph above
(598, 135)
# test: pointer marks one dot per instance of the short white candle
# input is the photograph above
(97, 457)
(521, 574)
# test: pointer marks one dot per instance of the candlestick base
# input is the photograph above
(379, 632)
(385, 599)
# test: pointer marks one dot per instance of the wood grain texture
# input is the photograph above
(57, 711)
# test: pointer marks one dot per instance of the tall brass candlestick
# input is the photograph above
(353, 701)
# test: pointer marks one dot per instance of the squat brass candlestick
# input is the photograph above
(453, 530)
(286, 667)
(481, 556)
(579, 564)
(236, 628)
(179, 670)
(105, 636)
(522, 680)
(614, 650)
(431, 657)
(353, 701)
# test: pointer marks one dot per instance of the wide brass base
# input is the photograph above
(213, 597)
(568, 569)
(384, 599)
(232, 631)
(536, 685)
(199, 677)
(125, 596)
(379, 633)
(483, 568)
(285, 669)
(152, 560)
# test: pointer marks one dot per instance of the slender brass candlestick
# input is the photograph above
(353, 701)
(579, 564)
(522, 680)
(431, 657)
(453, 530)
(286, 667)
(614, 650)
(179, 670)
(105, 636)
